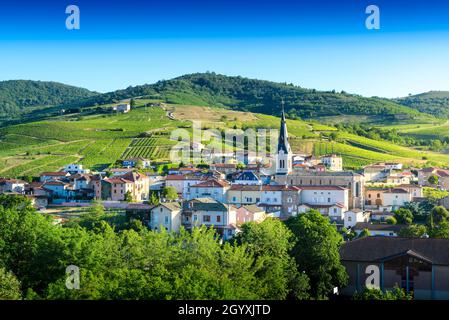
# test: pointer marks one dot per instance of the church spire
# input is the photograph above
(283, 134)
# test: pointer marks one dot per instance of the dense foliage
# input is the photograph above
(317, 252)
(132, 262)
(17, 95)
(433, 102)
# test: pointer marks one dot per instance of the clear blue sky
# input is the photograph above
(315, 44)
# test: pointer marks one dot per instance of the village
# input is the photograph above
(226, 195)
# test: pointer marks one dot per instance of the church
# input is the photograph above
(284, 155)
(285, 175)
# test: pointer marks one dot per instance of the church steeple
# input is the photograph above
(284, 152)
(283, 134)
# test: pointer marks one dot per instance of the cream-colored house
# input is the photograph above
(244, 194)
(166, 215)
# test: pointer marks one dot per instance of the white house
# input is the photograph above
(132, 162)
(12, 185)
(213, 188)
(82, 181)
(332, 162)
(75, 168)
(386, 230)
(354, 216)
(60, 189)
(124, 107)
(396, 197)
(324, 195)
(166, 215)
(182, 183)
(50, 176)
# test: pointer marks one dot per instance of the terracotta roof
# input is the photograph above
(213, 183)
(321, 188)
(182, 177)
(55, 183)
(54, 174)
(397, 190)
(117, 180)
(271, 187)
(242, 187)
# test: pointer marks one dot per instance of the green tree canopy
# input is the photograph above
(403, 216)
(317, 252)
(169, 193)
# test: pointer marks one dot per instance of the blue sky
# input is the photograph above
(315, 44)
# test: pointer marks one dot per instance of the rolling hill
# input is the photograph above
(432, 102)
(99, 140)
(20, 96)
(243, 94)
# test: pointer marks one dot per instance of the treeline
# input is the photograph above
(392, 135)
(17, 95)
(433, 102)
(243, 94)
(121, 259)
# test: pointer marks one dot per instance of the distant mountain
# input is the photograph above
(16, 96)
(239, 93)
(432, 102)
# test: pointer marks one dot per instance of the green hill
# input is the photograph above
(432, 102)
(19, 96)
(243, 94)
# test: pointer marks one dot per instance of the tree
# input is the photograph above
(270, 243)
(316, 252)
(128, 196)
(365, 233)
(154, 199)
(433, 180)
(437, 215)
(377, 294)
(403, 216)
(169, 193)
(9, 286)
(413, 231)
(391, 220)
(139, 164)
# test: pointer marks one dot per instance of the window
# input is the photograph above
(206, 218)
(218, 218)
(166, 219)
(328, 200)
(234, 199)
(162, 209)
(349, 219)
(290, 200)
(195, 217)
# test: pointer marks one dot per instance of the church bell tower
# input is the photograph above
(284, 152)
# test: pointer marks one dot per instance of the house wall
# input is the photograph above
(396, 199)
(318, 196)
(243, 197)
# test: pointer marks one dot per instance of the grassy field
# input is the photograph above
(98, 141)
